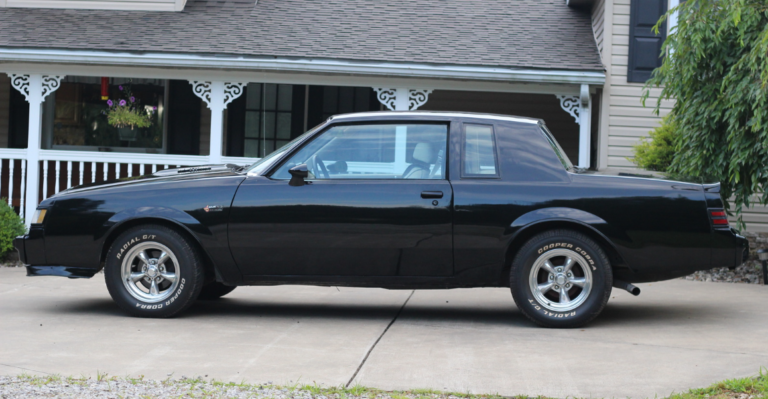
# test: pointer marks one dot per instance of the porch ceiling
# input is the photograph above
(530, 34)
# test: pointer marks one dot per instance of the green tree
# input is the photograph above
(716, 68)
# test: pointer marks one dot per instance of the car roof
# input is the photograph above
(445, 114)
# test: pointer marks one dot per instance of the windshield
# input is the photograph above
(260, 166)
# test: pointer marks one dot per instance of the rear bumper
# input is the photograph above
(742, 249)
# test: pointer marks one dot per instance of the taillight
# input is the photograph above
(718, 217)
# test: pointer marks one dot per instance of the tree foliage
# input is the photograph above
(716, 68)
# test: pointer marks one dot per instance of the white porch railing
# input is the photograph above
(60, 170)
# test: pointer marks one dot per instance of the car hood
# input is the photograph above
(167, 175)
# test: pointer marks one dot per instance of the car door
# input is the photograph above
(376, 203)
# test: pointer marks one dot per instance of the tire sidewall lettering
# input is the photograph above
(168, 302)
(557, 315)
(134, 240)
(572, 247)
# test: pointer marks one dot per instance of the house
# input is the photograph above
(231, 80)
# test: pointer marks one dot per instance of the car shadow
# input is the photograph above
(615, 314)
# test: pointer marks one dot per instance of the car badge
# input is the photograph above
(213, 208)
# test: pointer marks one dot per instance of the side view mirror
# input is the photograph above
(298, 174)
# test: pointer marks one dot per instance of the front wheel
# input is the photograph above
(153, 271)
(561, 278)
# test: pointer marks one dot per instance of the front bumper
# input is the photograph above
(31, 246)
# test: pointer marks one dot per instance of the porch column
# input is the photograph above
(217, 95)
(35, 88)
(401, 99)
(580, 108)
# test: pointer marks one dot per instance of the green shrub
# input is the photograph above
(11, 225)
(657, 151)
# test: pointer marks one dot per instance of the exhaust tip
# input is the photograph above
(627, 287)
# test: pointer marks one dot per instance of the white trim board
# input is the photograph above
(129, 5)
(314, 66)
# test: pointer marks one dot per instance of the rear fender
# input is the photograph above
(562, 217)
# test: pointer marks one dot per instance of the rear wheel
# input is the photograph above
(152, 271)
(214, 290)
(561, 278)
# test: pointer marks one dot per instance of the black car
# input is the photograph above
(399, 200)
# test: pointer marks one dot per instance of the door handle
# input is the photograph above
(431, 194)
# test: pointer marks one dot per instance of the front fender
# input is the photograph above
(176, 216)
(214, 249)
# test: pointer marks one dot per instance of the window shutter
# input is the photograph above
(644, 45)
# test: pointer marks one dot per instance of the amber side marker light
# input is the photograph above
(39, 216)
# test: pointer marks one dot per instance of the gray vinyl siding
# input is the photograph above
(598, 24)
(133, 5)
(628, 120)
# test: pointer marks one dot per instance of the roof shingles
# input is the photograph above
(543, 34)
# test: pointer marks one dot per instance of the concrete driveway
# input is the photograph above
(676, 335)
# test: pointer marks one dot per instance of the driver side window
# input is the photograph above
(375, 151)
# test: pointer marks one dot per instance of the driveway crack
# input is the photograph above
(362, 363)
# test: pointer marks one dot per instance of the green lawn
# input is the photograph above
(28, 385)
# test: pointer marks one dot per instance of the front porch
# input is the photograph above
(55, 134)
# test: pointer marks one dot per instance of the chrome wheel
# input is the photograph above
(560, 280)
(150, 272)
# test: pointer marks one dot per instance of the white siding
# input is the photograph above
(134, 5)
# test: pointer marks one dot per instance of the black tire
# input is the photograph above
(177, 280)
(214, 290)
(548, 307)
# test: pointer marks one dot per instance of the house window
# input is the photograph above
(267, 118)
(644, 45)
(326, 101)
(75, 117)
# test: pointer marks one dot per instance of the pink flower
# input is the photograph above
(120, 87)
(110, 103)
(122, 103)
(133, 99)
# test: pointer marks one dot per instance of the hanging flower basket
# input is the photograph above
(126, 115)
(127, 133)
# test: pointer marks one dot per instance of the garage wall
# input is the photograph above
(540, 106)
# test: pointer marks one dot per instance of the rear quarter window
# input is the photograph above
(526, 154)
